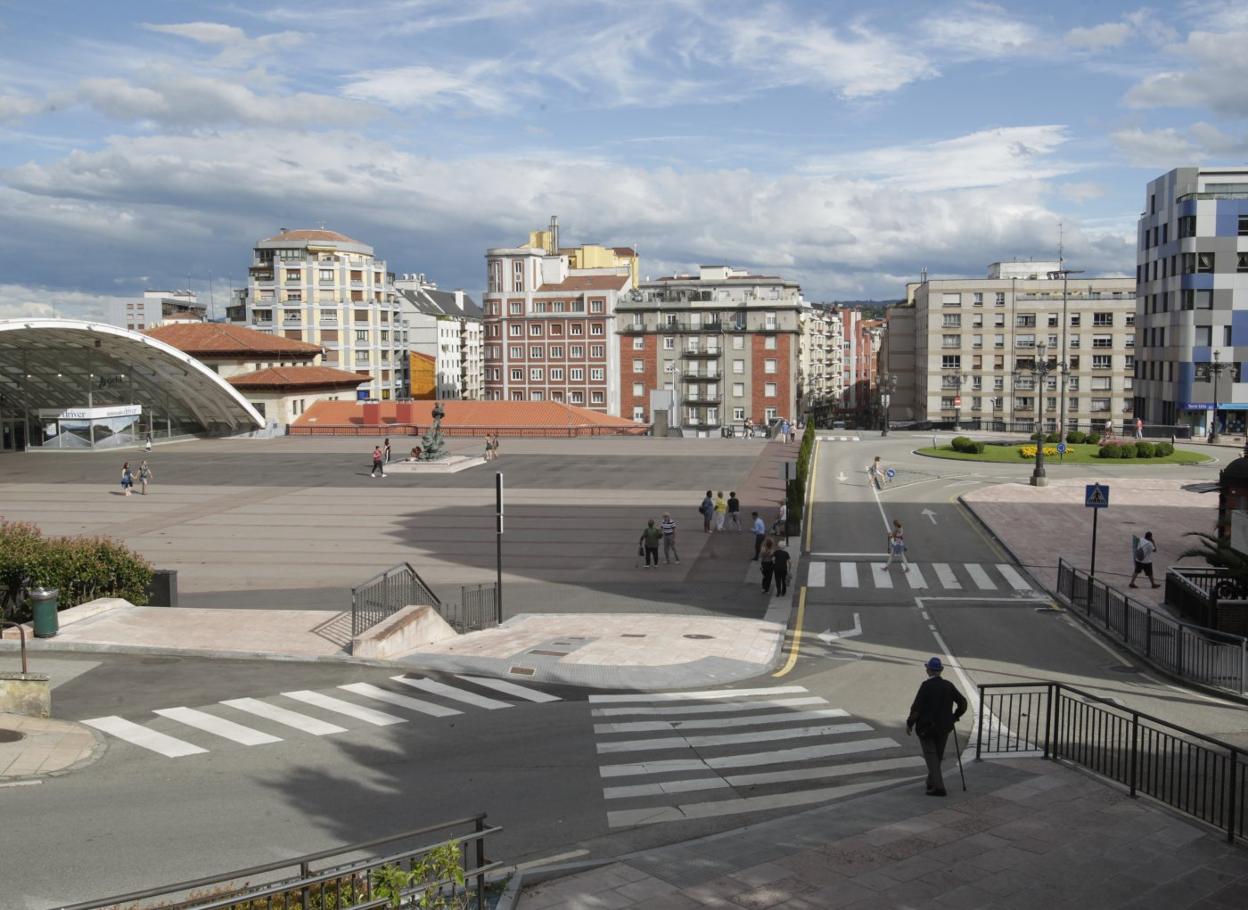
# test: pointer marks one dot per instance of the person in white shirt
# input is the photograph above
(1144, 551)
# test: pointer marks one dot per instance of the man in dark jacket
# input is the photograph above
(780, 560)
(708, 512)
(932, 716)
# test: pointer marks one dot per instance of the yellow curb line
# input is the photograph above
(797, 636)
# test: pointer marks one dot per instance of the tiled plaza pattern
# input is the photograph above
(1029, 834)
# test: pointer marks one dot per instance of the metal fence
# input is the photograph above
(413, 429)
(476, 610)
(1202, 777)
(1205, 656)
(387, 593)
(1125, 430)
(346, 878)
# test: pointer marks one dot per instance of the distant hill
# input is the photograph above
(871, 309)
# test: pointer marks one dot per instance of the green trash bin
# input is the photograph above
(43, 603)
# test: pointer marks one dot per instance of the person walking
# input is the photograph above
(147, 443)
(721, 510)
(782, 519)
(781, 571)
(649, 542)
(748, 429)
(145, 476)
(378, 465)
(768, 563)
(708, 512)
(494, 447)
(932, 717)
(876, 473)
(668, 527)
(896, 543)
(386, 451)
(1139, 428)
(784, 431)
(1144, 551)
(760, 533)
(489, 448)
(734, 511)
(127, 479)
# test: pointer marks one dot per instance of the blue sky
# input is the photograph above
(846, 145)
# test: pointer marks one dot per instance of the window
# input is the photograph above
(769, 322)
(953, 321)
(738, 390)
(597, 374)
(951, 341)
(515, 330)
(576, 397)
(576, 374)
(769, 414)
(1025, 321)
(738, 413)
(1204, 262)
(639, 389)
(1074, 320)
(998, 341)
(1054, 320)
(361, 356)
(1102, 341)
(1000, 299)
(639, 366)
(361, 336)
(669, 343)
(1100, 405)
(1243, 225)
(576, 351)
(326, 276)
(535, 351)
(1204, 335)
(738, 342)
(738, 367)
(998, 321)
(769, 366)
(536, 330)
(1102, 361)
(769, 389)
(977, 321)
(595, 328)
(948, 299)
(536, 374)
(555, 351)
(596, 306)
(576, 329)
(1241, 259)
(977, 299)
(946, 403)
(977, 341)
(556, 374)
(769, 343)
(1102, 319)
(517, 276)
(1101, 383)
(1072, 383)
(597, 350)
(556, 329)
(951, 362)
(998, 383)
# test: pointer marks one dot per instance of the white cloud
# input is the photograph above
(1099, 37)
(1156, 148)
(1081, 191)
(984, 158)
(14, 107)
(421, 86)
(18, 301)
(1213, 75)
(237, 49)
(979, 31)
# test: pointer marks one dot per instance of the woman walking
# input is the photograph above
(896, 543)
(386, 451)
(127, 479)
(145, 476)
(767, 559)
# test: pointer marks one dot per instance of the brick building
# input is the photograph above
(723, 345)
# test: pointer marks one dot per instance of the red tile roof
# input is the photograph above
(209, 339)
(310, 235)
(470, 416)
(298, 378)
(423, 356)
(587, 283)
(624, 251)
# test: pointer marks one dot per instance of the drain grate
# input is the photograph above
(11, 736)
(522, 671)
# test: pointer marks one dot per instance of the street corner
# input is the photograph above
(35, 748)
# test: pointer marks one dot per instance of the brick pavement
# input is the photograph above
(46, 747)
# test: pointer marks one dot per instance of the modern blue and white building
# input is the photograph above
(1192, 300)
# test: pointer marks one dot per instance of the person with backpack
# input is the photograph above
(932, 716)
(708, 512)
(1144, 551)
(649, 543)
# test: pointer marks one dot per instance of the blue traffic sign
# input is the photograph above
(891, 473)
(1061, 448)
(1096, 496)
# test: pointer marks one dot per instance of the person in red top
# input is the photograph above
(378, 464)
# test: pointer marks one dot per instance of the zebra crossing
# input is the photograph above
(840, 439)
(934, 576)
(185, 731)
(672, 756)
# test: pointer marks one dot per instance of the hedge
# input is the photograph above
(82, 568)
(1076, 437)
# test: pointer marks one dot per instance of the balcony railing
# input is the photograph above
(708, 353)
(693, 376)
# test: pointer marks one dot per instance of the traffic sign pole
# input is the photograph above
(1092, 569)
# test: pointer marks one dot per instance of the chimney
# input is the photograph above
(554, 234)
(459, 299)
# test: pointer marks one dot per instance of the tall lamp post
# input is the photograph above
(1064, 274)
(1041, 370)
(888, 384)
(1217, 367)
(957, 400)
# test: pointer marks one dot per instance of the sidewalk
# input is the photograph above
(1029, 833)
(43, 746)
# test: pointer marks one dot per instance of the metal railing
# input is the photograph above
(477, 609)
(413, 429)
(1198, 775)
(387, 593)
(338, 880)
(1204, 656)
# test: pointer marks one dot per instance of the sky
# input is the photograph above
(848, 146)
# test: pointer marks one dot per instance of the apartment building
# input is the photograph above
(1192, 299)
(157, 308)
(445, 326)
(860, 346)
(975, 344)
(821, 374)
(550, 314)
(324, 288)
(723, 343)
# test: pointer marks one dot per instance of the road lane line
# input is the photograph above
(913, 576)
(818, 575)
(141, 736)
(879, 574)
(437, 688)
(944, 574)
(337, 705)
(717, 723)
(704, 694)
(403, 701)
(510, 688)
(980, 577)
(849, 575)
(218, 726)
(302, 722)
(750, 760)
(727, 739)
(1016, 581)
(722, 708)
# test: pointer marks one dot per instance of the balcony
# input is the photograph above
(701, 397)
(698, 354)
(701, 377)
(631, 329)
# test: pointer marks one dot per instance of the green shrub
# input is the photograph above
(1126, 451)
(1162, 449)
(1108, 451)
(961, 444)
(1092, 438)
(1075, 437)
(1053, 438)
(1037, 437)
(1145, 450)
(977, 448)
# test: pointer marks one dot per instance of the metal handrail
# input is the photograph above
(1196, 774)
(386, 593)
(21, 631)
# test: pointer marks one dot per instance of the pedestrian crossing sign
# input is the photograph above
(1096, 496)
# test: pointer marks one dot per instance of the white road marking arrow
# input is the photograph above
(930, 514)
(829, 636)
(841, 477)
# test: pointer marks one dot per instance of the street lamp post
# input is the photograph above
(888, 383)
(1217, 367)
(1042, 370)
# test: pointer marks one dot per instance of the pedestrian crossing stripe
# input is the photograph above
(840, 439)
(916, 576)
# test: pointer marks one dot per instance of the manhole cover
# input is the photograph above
(522, 671)
(697, 635)
(1122, 668)
(10, 736)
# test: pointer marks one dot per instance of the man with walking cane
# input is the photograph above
(932, 716)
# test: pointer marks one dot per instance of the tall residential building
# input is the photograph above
(446, 326)
(821, 372)
(897, 359)
(724, 342)
(975, 342)
(550, 323)
(324, 288)
(1192, 299)
(156, 308)
(860, 346)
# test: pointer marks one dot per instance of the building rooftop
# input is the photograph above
(218, 339)
(309, 234)
(304, 377)
(434, 302)
(587, 283)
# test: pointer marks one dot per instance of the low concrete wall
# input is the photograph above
(28, 694)
(407, 630)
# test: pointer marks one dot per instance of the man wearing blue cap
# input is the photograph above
(932, 716)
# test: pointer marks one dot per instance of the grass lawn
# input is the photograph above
(1075, 454)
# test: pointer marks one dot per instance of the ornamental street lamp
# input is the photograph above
(1217, 367)
(1041, 369)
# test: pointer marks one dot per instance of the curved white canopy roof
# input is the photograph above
(52, 363)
